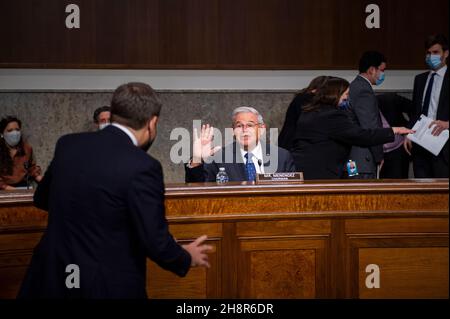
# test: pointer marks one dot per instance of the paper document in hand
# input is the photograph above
(423, 136)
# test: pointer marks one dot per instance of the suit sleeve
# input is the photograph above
(289, 164)
(366, 109)
(203, 173)
(146, 206)
(195, 174)
(344, 130)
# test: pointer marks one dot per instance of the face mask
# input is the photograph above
(344, 105)
(12, 138)
(433, 61)
(380, 79)
(103, 125)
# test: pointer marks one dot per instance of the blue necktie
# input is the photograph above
(426, 101)
(250, 169)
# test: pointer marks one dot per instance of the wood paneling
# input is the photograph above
(405, 272)
(311, 240)
(216, 34)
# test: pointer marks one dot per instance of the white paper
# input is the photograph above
(423, 136)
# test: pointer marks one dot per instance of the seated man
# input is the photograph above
(244, 158)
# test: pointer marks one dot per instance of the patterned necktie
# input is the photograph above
(250, 169)
(426, 101)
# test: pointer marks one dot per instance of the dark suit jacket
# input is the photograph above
(393, 107)
(105, 203)
(235, 168)
(324, 140)
(443, 106)
(287, 134)
(365, 107)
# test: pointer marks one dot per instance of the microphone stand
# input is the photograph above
(26, 166)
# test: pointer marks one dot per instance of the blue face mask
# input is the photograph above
(380, 79)
(433, 61)
(12, 138)
(344, 105)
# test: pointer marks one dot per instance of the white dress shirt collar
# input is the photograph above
(126, 131)
(441, 71)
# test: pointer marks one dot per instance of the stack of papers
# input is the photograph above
(423, 136)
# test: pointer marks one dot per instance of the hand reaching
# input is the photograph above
(407, 145)
(198, 251)
(402, 131)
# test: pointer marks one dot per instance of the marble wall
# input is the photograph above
(48, 115)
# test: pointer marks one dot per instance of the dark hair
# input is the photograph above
(133, 104)
(369, 59)
(100, 110)
(328, 94)
(315, 84)
(436, 39)
(6, 162)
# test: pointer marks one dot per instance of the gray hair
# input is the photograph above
(248, 109)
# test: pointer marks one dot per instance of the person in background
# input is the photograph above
(431, 98)
(287, 133)
(102, 117)
(326, 133)
(17, 165)
(393, 108)
(364, 106)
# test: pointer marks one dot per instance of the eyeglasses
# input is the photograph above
(242, 126)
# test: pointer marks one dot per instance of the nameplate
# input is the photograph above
(276, 178)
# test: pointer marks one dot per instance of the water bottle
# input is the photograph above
(352, 170)
(222, 176)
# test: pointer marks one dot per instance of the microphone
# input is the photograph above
(259, 164)
(26, 165)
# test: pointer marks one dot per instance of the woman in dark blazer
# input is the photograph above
(326, 133)
(304, 97)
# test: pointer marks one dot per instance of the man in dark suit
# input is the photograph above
(394, 107)
(105, 200)
(431, 98)
(364, 106)
(242, 159)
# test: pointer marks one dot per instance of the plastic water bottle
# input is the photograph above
(222, 176)
(352, 170)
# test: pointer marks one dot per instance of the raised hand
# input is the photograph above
(202, 144)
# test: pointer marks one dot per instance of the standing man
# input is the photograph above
(364, 106)
(430, 97)
(105, 200)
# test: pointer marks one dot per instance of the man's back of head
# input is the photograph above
(134, 104)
